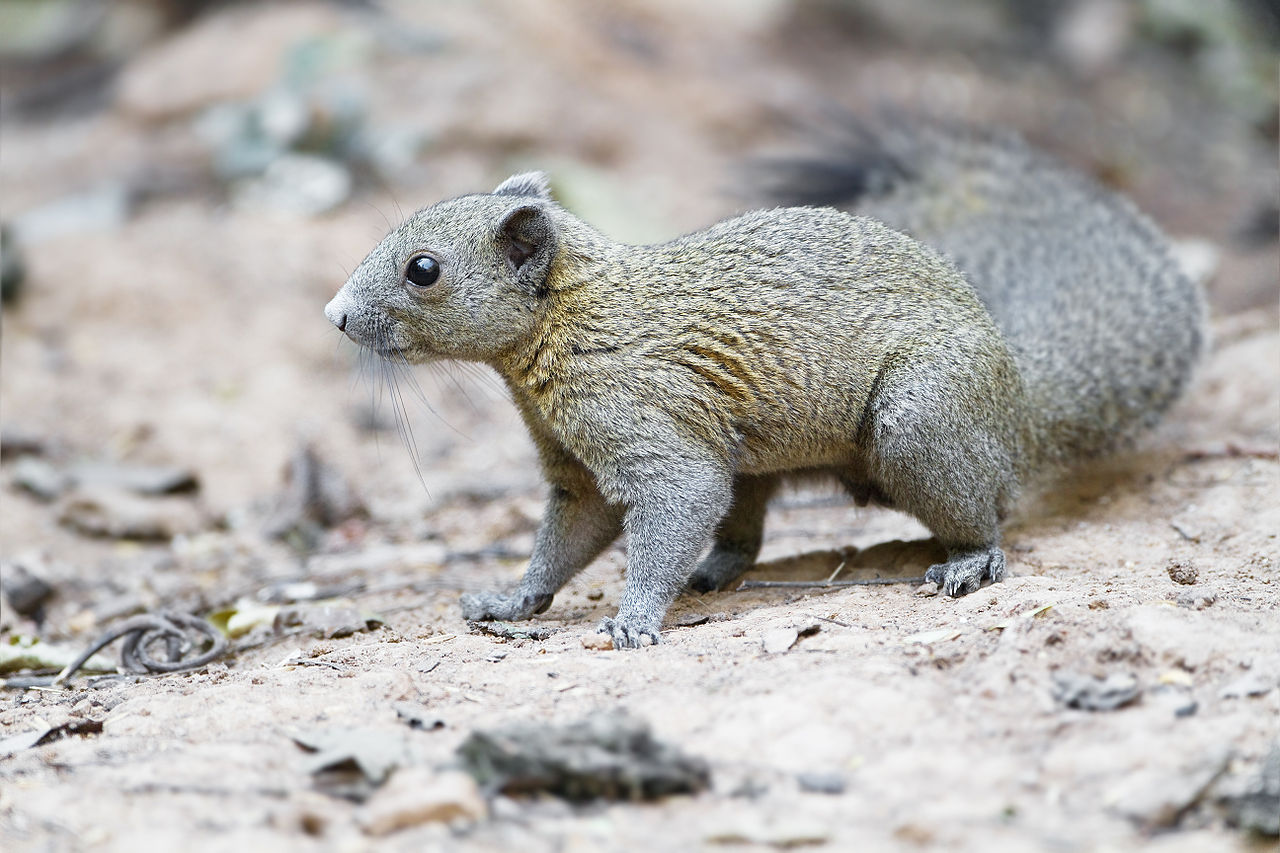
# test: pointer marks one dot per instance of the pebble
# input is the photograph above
(1197, 599)
(140, 479)
(12, 268)
(39, 478)
(1095, 694)
(1183, 572)
(597, 641)
(1252, 802)
(927, 589)
(117, 514)
(821, 783)
(1157, 798)
(24, 592)
(609, 755)
(1253, 684)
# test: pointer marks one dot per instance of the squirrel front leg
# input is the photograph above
(576, 526)
(672, 517)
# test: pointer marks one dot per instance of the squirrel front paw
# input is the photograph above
(627, 634)
(485, 606)
(963, 573)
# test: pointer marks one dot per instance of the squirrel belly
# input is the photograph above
(671, 389)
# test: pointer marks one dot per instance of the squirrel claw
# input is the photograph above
(963, 573)
(483, 606)
(626, 636)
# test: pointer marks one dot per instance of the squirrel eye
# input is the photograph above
(422, 271)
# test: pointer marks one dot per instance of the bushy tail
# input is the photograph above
(1105, 328)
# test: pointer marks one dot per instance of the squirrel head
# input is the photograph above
(463, 279)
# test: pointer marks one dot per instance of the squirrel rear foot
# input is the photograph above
(964, 572)
(720, 568)
(483, 606)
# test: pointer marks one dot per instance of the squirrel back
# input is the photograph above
(1105, 328)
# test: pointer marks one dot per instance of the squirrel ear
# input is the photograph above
(533, 184)
(528, 243)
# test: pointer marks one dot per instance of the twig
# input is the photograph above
(1231, 450)
(141, 631)
(836, 573)
(832, 621)
(821, 584)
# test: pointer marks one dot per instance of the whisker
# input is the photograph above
(381, 213)
(404, 369)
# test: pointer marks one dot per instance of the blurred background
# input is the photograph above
(183, 185)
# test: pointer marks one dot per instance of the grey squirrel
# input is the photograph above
(1031, 319)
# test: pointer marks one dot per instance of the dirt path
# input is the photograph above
(190, 334)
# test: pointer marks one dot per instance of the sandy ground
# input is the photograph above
(191, 334)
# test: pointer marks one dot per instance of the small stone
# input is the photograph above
(418, 716)
(416, 795)
(118, 514)
(1177, 699)
(12, 268)
(1197, 599)
(1252, 684)
(24, 592)
(1183, 572)
(927, 589)
(39, 478)
(597, 641)
(1095, 694)
(139, 479)
(609, 756)
(16, 442)
(1157, 797)
(821, 783)
(1252, 802)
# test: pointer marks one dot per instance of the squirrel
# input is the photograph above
(1031, 319)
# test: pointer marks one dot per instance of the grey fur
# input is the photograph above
(533, 184)
(671, 388)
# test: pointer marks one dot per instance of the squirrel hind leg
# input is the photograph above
(739, 535)
(965, 570)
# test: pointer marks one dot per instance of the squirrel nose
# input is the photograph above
(336, 315)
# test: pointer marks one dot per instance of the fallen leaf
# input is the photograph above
(417, 795)
(925, 638)
(27, 653)
(243, 616)
(778, 640)
(352, 762)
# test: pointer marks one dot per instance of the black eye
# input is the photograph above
(422, 271)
